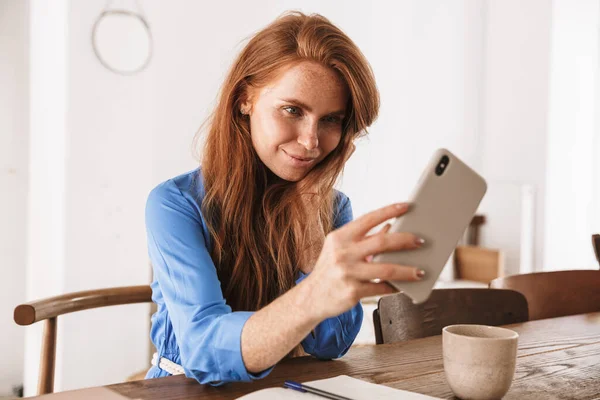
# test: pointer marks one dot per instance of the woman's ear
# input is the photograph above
(245, 108)
(246, 105)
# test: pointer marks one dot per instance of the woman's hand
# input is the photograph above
(342, 275)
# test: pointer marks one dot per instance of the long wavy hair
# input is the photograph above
(258, 222)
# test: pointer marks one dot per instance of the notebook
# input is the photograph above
(342, 385)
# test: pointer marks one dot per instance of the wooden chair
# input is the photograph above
(478, 264)
(556, 294)
(397, 319)
(49, 309)
(596, 246)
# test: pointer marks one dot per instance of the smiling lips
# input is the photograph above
(301, 158)
(299, 161)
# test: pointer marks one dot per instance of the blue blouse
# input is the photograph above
(194, 326)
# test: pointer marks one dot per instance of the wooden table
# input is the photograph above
(558, 358)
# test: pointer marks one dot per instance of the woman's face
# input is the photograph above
(296, 120)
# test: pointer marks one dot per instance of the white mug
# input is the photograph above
(479, 360)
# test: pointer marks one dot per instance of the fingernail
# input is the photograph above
(401, 206)
(420, 273)
(419, 241)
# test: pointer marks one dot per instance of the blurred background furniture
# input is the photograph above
(478, 264)
(596, 246)
(397, 319)
(473, 231)
(49, 309)
(557, 293)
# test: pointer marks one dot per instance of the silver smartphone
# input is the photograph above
(442, 206)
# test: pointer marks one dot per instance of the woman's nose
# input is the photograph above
(309, 137)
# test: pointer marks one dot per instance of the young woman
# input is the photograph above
(254, 254)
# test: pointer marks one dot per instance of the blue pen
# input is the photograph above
(303, 388)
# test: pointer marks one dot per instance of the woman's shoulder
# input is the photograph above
(341, 200)
(342, 209)
(175, 205)
(185, 190)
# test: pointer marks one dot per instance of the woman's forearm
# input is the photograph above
(340, 278)
(273, 331)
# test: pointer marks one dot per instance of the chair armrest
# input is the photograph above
(30, 313)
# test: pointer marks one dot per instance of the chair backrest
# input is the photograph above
(49, 309)
(556, 294)
(596, 246)
(478, 264)
(397, 319)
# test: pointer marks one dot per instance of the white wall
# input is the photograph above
(111, 121)
(90, 158)
(573, 175)
(46, 201)
(13, 181)
(427, 61)
(514, 115)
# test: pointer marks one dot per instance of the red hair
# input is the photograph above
(258, 222)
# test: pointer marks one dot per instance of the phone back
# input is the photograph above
(442, 207)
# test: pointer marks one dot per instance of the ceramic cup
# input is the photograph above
(479, 360)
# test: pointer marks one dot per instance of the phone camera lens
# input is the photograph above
(442, 165)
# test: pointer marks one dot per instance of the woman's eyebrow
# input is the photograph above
(300, 104)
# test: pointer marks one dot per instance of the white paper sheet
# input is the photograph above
(342, 385)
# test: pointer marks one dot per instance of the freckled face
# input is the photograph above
(296, 121)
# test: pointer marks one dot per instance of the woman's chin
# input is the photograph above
(291, 175)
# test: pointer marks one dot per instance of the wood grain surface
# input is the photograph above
(558, 358)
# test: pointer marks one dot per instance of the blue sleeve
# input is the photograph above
(334, 336)
(207, 331)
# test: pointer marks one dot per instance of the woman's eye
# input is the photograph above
(332, 119)
(292, 110)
